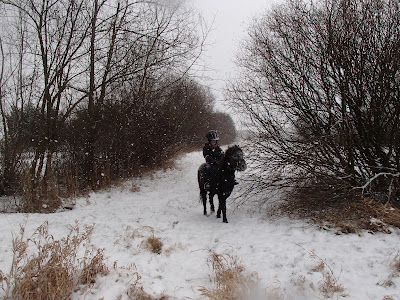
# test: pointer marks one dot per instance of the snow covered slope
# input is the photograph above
(287, 255)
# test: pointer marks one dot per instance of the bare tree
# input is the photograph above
(134, 46)
(74, 61)
(56, 31)
(319, 86)
(18, 74)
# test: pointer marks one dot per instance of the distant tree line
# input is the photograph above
(92, 91)
(320, 88)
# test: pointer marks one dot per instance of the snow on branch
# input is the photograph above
(376, 176)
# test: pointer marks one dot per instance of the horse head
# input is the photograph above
(234, 158)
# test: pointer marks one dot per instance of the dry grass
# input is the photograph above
(46, 268)
(137, 293)
(152, 243)
(231, 282)
(395, 263)
(40, 196)
(348, 213)
(329, 285)
(395, 266)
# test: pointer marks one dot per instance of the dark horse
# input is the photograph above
(231, 161)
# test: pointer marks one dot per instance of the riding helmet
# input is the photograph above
(212, 135)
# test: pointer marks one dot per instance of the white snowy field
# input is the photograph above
(286, 254)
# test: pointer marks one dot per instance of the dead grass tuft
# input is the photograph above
(46, 268)
(395, 263)
(154, 244)
(395, 266)
(329, 285)
(137, 293)
(231, 282)
(92, 265)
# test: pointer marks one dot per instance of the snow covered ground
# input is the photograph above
(286, 254)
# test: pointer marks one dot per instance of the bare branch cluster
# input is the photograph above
(319, 86)
(96, 89)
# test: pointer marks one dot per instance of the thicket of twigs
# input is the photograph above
(95, 91)
(319, 89)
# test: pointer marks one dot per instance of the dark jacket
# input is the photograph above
(212, 154)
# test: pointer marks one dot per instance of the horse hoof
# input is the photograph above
(225, 221)
(218, 216)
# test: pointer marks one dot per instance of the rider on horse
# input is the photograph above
(213, 154)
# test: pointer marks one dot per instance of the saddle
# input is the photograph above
(207, 175)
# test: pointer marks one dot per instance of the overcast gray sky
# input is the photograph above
(231, 18)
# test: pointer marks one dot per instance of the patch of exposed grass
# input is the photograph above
(346, 212)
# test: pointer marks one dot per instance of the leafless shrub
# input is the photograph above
(309, 122)
(55, 268)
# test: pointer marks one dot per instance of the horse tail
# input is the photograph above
(202, 175)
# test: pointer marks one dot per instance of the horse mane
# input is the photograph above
(229, 152)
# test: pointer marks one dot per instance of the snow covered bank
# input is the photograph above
(289, 255)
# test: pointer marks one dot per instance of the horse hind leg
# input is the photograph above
(224, 219)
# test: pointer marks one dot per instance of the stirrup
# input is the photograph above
(207, 186)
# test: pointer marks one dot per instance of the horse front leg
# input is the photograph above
(219, 208)
(211, 195)
(222, 208)
(203, 195)
(222, 204)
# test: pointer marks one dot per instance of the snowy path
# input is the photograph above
(168, 205)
